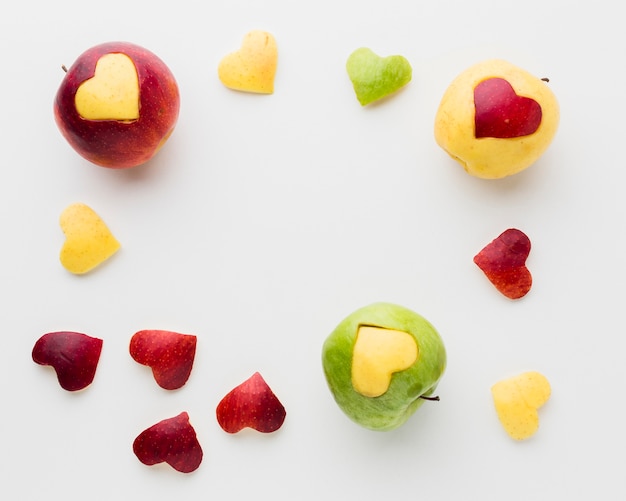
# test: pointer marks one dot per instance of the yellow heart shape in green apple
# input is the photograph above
(374, 77)
(377, 354)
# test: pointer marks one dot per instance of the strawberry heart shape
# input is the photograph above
(253, 67)
(169, 354)
(501, 113)
(73, 355)
(112, 93)
(88, 241)
(252, 404)
(374, 77)
(172, 441)
(503, 261)
(516, 401)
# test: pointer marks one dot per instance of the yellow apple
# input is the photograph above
(496, 119)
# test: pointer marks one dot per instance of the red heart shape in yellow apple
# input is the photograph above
(501, 113)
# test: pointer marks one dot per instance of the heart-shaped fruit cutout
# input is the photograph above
(112, 93)
(252, 404)
(88, 241)
(501, 113)
(374, 77)
(376, 355)
(169, 354)
(253, 67)
(73, 355)
(516, 401)
(503, 261)
(172, 441)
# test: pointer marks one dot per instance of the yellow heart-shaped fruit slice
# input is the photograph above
(112, 93)
(253, 67)
(377, 354)
(517, 399)
(88, 241)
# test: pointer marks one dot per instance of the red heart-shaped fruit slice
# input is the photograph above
(504, 263)
(172, 441)
(73, 355)
(501, 113)
(169, 354)
(252, 404)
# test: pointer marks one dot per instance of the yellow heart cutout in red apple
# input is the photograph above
(112, 93)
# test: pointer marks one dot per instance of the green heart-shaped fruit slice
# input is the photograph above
(375, 77)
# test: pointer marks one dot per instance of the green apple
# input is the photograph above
(382, 363)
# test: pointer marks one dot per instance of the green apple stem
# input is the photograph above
(432, 399)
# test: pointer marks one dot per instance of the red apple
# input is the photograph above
(117, 105)
(503, 261)
(172, 441)
(252, 404)
(169, 354)
(73, 355)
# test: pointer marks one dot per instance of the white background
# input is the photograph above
(266, 220)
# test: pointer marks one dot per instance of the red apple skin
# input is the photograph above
(172, 441)
(252, 404)
(117, 144)
(501, 113)
(73, 355)
(503, 261)
(169, 354)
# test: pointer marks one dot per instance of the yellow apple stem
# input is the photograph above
(432, 399)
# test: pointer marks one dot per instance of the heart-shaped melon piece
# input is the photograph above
(374, 77)
(503, 261)
(88, 240)
(253, 67)
(378, 353)
(517, 399)
(112, 93)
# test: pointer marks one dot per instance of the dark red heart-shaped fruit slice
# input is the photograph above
(504, 263)
(252, 404)
(172, 441)
(73, 355)
(501, 113)
(169, 354)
